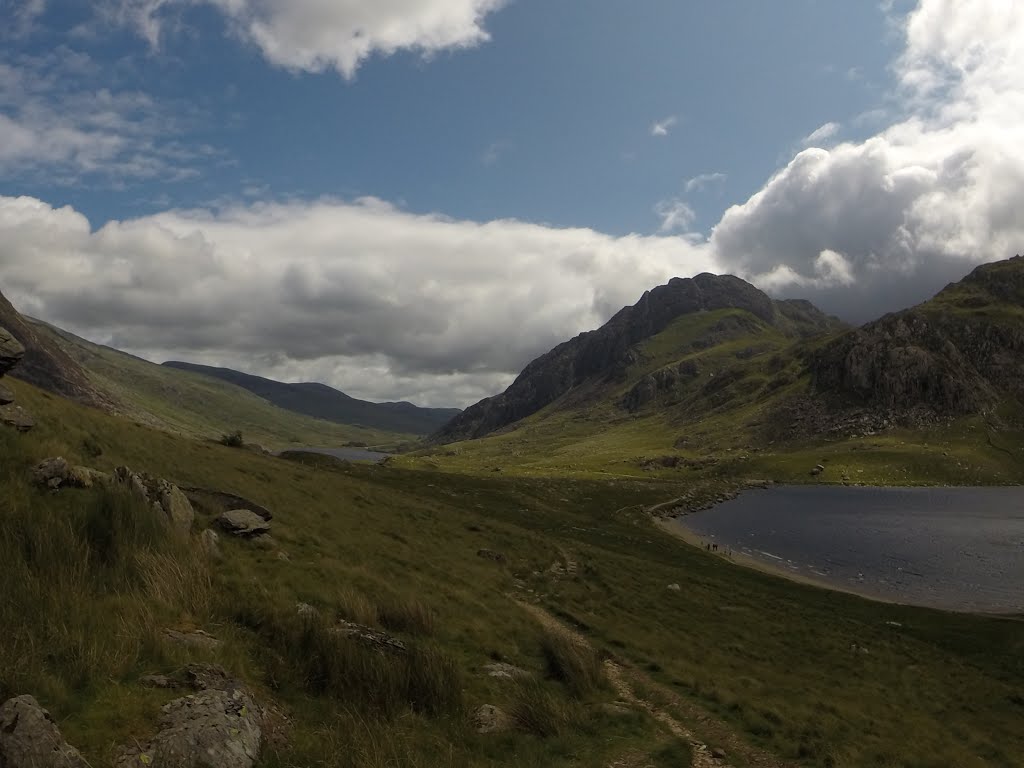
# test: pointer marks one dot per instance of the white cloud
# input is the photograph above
(921, 202)
(821, 134)
(701, 181)
(318, 35)
(663, 127)
(675, 215)
(377, 301)
(55, 122)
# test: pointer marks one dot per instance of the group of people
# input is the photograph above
(712, 547)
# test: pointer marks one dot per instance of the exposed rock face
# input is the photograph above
(243, 522)
(11, 351)
(6, 396)
(194, 639)
(220, 726)
(375, 638)
(46, 365)
(209, 542)
(503, 671)
(605, 352)
(163, 495)
(29, 738)
(956, 354)
(16, 417)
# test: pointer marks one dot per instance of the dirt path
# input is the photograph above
(626, 680)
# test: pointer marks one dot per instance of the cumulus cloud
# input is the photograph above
(916, 205)
(318, 35)
(374, 300)
(675, 214)
(821, 134)
(664, 127)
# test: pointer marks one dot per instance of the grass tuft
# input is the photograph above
(576, 665)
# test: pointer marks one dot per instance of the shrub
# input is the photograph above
(233, 439)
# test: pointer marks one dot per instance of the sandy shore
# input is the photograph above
(677, 528)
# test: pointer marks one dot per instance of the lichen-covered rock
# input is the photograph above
(47, 470)
(29, 738)
(243, 522)
(209, 542)
(210, 729)
(374, 638)
(176, 506)
(11, 351)
(16, 417)
(6, 396)
(194, 639)
(504, 671)
(490, 719)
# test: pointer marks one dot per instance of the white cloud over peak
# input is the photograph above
(919, 203)
(377, 301)
(318, 35)
(675, 214)
(664, 127)
(703, 180)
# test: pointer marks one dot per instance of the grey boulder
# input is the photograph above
(243, 522)
(29, 738)
(11, 351)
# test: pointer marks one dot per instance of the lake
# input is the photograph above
(959, 549)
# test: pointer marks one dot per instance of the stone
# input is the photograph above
(243, 522)
(490, 719)
(55, 468)
(158, 681)
(375, 638)
(489, 554)
(306, 611)
(674, 587)
(6, 396)
(265, 541)
(30, 738)
(505, 671)
(215, 727)
(17, 417)
(176, 506)
(11, 351)
(194, 639)
(83, 477)
(718, 753)
(209, 542)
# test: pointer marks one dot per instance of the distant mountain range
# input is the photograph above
(323, 402)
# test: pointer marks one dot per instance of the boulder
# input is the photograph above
(11, 351)
(29, 738)
(209, 542)
(243, 522)
(6, 396)
(17, 417)
(505, 671)
(176, 506)
(83, 477)
(674, 588)
(47, 470)
(490, 554)
(215, 727)
(375, 638)
(490, 719)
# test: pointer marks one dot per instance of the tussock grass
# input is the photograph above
(536, 710)
(89, 577)
(406, 614)
(576, 665)
(310, 652)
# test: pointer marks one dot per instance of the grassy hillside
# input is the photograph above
(199, 406)
(775, 672)
(323, 402)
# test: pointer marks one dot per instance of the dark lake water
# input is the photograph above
(348, 454)
(958, 549)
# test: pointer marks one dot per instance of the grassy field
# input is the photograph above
(814, 677)
(199, 406)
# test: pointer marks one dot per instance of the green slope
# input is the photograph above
(744, 660)
(200, 406)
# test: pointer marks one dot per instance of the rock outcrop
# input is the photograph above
(165, 497)
(243, 522)
(30, 738)
(11, 353)
(46, 365)
(221, 725)
(606, 351)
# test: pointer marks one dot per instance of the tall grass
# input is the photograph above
(308, 651)
(575, 664)
(89, 576)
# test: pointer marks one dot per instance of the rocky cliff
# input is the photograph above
(602, 352)
(47, 366)
(959, 353)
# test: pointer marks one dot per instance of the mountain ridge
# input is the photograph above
(325, 402)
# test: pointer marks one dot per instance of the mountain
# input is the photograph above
(192, 404)
(960, 353)
(47, 366)
(610, 351)
(323, 402)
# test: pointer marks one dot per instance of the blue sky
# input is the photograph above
(411, 199)
(550, 121)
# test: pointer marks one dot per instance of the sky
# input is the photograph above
(411, 199)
